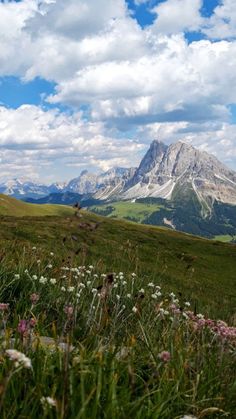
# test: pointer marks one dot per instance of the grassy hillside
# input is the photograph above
(13, 207)
(77, 342)
(185, 214)
(200, 270)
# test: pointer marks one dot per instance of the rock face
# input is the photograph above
(174, 171)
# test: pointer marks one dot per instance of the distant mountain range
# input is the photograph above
(179, 175)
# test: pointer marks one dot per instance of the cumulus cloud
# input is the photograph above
(174, 16)
(129, 78)
(222, 24)
(34, 141)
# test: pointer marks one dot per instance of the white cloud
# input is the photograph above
(34, 141)
(174, 16)
(222, 24)
(128, 77)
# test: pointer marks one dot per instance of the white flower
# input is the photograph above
(133, 275)
(124, 283)
(51, 254)
(38, 261)
(48, 401)
(151, 284)
(49, 266)
(134, 309)
(19, 358)
(200, 316)
(103, 275)
(71, 289)
(129, 295)
(17, 276)
(81, 285)
(158, 294)
(187, 304)
(185, 316)
(34, 277)
(172, 295)
(115, 286)
(34, 248)
(63, 289)
(154, 296)
(95, 275)
(43, 280)
(88, 272)
(91, 267)
(88, 283)
(118, 297)
(142, 291)
(53, 281)
(94, 290)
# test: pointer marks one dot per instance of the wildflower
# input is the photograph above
(34, 298)
(4, 307)
(88, 283)
(118, 297)
(124, 283)
(129, 295)
(38, 261)
(115, 285)
(42, 280)
(187, 304)
(51, 254)
(49, 266)
(154, 296)
(164, 356)
(133, 275)
(91, 267)
(94, 291)
(63, 289)
(151, 284)
(23, 327)
(88, 272)
(134, 309)
(142, 291)
(53, 281)
(81, 285)
(34, 277)
(95, 276)
(71, 289)
(17, 276)
(19, 358)
(48, 401)
(33, 248)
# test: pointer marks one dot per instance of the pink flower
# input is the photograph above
(23, 327)
(164, 356)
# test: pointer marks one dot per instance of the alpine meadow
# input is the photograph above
(117, 209)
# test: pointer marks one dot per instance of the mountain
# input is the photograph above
(181, 170)
(20, 188)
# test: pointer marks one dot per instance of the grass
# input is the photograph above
(137, 343)
(98, 346)
(201, 270)
(13, 207)
(135, 211)
(225, 238)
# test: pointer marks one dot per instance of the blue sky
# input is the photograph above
(89, 85)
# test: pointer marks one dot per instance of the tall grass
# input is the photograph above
(104, 345)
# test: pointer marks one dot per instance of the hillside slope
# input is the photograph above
(200, 270)
(12, 207)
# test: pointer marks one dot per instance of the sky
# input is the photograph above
(88, 84)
